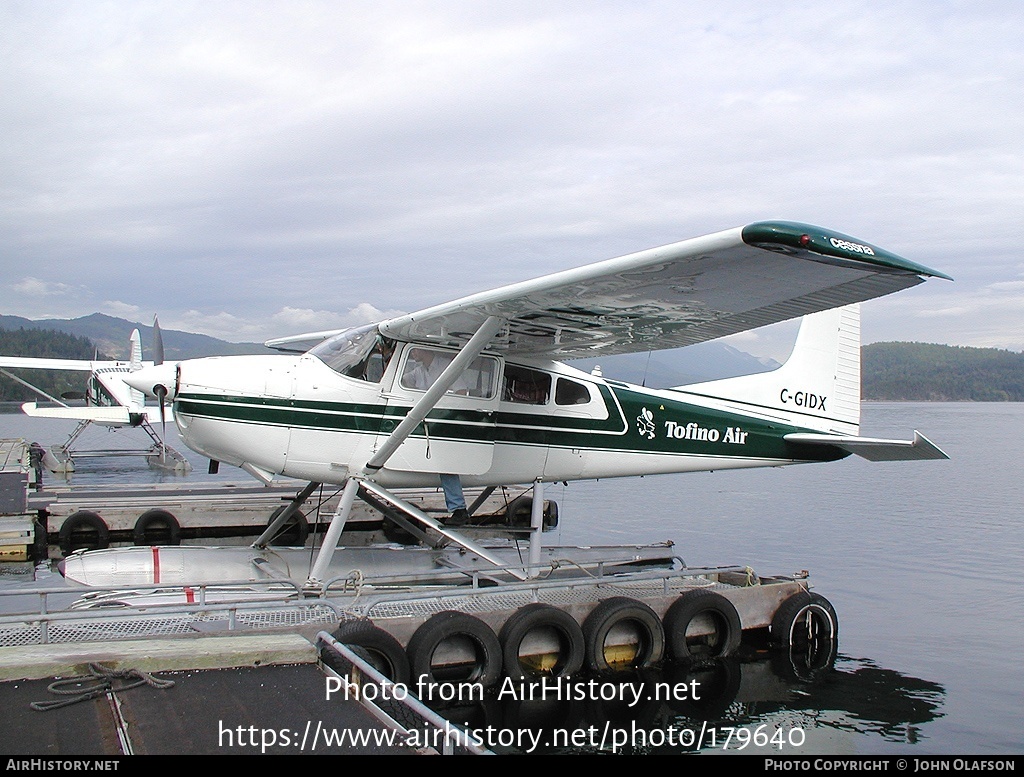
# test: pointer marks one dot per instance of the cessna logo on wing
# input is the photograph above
(803, 399)
(846, 245)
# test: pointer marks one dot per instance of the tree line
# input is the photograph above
(46, 344)
(941, 373)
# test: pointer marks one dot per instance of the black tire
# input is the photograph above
(84, 529)
(379, 649)
(294, 533)
(803, 620)
(540, 621)
(710, 607)
(159, 522)
(455, 631)
(621, 611)
(519, 513)
(810, 663)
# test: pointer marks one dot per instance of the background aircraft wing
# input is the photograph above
(673, 296)
(39, 363)
(112, 416)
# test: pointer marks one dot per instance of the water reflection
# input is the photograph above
(769, 702)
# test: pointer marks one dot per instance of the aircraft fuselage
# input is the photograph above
(504, 422)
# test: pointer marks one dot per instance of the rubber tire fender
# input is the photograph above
(697, 602)
(538, 616)
(446, 625)
(156, 517)
(296, 529)
(380, 649)
(802, 605)
(83, 519)
(519, 513)
(610, 613)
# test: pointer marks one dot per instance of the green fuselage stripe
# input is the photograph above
(635, 422)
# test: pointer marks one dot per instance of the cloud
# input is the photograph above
(120, 309)
(36, 287)
(288, 166)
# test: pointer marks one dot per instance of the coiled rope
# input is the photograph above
(98, 682)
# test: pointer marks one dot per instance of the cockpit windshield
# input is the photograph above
(361, 353)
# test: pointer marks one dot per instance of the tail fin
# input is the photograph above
(135, 351)
(136, 399)
(819, 385)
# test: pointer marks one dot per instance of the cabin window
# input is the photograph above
(569, 392)
(361, 353)
(526, 386)
(423, 366)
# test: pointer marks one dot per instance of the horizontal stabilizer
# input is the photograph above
(100, 415)
(874, 449)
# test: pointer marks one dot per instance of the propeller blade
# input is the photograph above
(161, 395)
(158, 344)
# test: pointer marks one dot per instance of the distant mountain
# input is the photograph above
(950, 373)
(111, 335)
(677, 367)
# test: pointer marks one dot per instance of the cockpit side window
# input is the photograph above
(526, 386)
(423, 366)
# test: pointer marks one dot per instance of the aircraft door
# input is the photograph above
(458, 434)
(274, 441)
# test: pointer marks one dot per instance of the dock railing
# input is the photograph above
(68, 614)
(393, 705)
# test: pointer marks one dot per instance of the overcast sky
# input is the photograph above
(257, 169)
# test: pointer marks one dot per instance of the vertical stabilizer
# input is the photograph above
(819, 385)
(136, 399)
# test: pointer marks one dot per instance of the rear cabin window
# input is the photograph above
(569, 392)
(526, 386)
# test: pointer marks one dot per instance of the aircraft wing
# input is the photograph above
(112, 416)
(673, 296)
(34, 363)
(302, 343)
(106, 415)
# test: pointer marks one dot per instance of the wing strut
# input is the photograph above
(488, 329)
(426, 403)
(29, 385)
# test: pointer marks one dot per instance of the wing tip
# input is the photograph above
(808, 237)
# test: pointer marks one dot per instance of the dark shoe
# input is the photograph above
(458, 517)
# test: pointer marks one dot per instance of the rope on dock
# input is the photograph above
(98, 682)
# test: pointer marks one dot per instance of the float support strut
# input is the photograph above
(536, 526)
(323, 558)
(286, 514)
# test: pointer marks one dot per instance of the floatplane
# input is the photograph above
(109, 402)
(477, 389)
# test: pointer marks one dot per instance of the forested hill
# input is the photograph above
(941, 373)
(46, 344)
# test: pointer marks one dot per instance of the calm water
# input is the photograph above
(920, 559)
